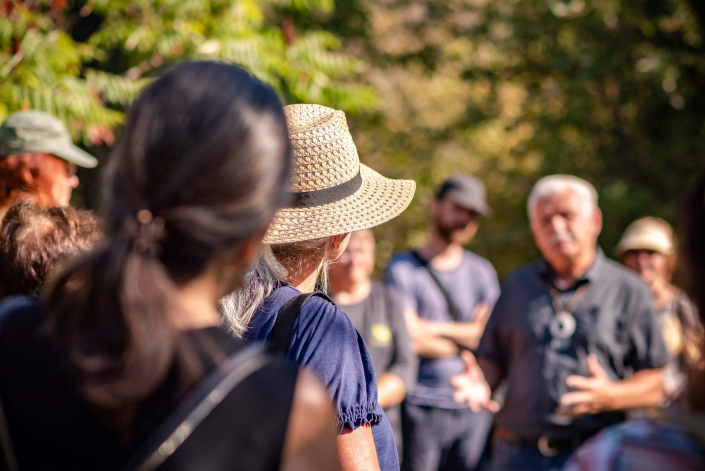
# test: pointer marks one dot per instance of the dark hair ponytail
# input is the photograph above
(202, 165)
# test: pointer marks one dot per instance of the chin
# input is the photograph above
(460, 239)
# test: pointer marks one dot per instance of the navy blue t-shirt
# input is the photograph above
(324, 339)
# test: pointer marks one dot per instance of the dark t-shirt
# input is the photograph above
(324, 339)
(615, 320)
(380, 320)
(52, 427)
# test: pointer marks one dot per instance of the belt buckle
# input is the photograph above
(545, 449)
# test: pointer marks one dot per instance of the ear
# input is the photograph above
(250, 250)
(336, 240)
(597, 220)
(28, 175)
(433, 206)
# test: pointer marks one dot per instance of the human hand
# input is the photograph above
(471, 387)
(594, 393)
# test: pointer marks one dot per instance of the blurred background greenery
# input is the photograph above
(507, 90)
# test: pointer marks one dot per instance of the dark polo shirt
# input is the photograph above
(615, 320)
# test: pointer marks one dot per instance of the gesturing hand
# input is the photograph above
(471, 387)
(594, 393)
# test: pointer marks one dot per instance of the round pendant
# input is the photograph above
(563, 325)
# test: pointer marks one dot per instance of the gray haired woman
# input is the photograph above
(333, 195)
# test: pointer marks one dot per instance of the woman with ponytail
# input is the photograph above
(127, 334)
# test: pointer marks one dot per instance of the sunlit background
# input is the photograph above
(507, 90)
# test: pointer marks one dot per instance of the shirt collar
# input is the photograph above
(590, 276)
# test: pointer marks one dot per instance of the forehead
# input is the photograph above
(361, 240)
(562, 201)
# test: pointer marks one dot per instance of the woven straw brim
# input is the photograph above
(378, 200)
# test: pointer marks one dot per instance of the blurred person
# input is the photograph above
(36, 241)
(38, 160)
(448, 293)
(675, 441)
(377, 312)
(125, 346)
(334, 194)
(574, 337)
(647, 248)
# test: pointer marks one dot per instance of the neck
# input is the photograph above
(441, 253)
(198, 299)
(305, 279)
(351, 292)
(569, 272)
(663, 292)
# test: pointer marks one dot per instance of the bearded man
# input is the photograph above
(448, 294)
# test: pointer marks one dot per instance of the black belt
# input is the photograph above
(547, 445)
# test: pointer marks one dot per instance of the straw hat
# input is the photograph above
(647, 234)
(333, 192)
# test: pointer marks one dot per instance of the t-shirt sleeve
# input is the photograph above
(324, 339)
(490, 284)
(491, 345)
(647, 348)
(400, 276)
(405, 364)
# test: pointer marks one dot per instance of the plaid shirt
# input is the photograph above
(644, 445)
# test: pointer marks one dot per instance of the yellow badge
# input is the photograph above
(381, 335)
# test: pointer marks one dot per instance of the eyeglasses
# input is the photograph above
(70, 169)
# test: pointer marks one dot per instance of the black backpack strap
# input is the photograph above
(196, 406)
(286, 317)
(451, 307)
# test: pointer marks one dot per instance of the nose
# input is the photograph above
(73, 182)
(644, 258)
(558, 224)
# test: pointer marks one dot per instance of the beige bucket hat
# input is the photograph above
(647, 234)
(333, 192)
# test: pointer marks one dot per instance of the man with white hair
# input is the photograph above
(574, 337)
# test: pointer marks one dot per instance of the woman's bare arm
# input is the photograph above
(357, 450)
(310, 442)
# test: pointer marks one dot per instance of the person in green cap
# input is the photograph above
(38, 160)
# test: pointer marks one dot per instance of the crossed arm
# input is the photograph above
(433, 339)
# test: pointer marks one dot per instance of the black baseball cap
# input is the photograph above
(466, 191)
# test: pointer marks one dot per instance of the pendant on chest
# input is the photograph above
(562, 325)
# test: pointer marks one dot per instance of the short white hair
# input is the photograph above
(553, 184)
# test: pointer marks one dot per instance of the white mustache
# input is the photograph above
(561, 237)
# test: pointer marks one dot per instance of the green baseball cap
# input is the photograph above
(27, 132)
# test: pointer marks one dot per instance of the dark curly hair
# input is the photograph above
(35, 241)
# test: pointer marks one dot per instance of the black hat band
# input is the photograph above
(310, 199)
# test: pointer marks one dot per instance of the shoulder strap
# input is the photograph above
(189, 414)
(451, 307)
(286, 317)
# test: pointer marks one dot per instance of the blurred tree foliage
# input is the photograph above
(609, 90)
(85, 60)
(507, 90)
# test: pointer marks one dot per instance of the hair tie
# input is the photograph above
(145, 233)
